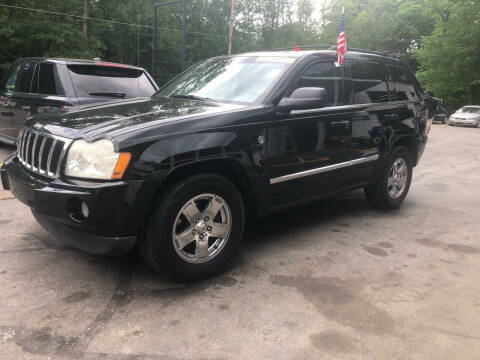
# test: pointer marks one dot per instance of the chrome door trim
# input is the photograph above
(323, 169)
(364, 159)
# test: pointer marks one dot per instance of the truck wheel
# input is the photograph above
(392, 187)
(195, 228)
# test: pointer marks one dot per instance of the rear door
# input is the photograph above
(405, 96)
(371, 118)
(308, 150)
(47, 93)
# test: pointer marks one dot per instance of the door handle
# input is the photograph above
(342, 122)
(391, 117)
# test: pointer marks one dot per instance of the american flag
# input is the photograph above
(341, 40)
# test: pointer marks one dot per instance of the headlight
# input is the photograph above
(96, 160)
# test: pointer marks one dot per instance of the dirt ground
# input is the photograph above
(331, 280)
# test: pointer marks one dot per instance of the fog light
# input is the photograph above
(85, 211)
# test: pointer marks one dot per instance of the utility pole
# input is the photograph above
(138, 40)
(86, 14)
(232, 15)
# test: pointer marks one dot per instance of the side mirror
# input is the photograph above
(304, 98)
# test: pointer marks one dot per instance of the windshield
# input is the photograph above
(470, 109)
(240, 79)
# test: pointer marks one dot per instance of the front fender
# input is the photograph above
(234, 153)
(206, 144)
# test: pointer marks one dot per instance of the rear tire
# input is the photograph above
(179, 239)
(392, 186)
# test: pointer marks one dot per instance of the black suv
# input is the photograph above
(38, 85)
(253, 134)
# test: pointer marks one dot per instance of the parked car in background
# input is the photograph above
(466, 116)
(442, 115)
(253, 134)
(38, 85)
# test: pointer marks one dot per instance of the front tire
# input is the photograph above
(392, 187)
(195, 227)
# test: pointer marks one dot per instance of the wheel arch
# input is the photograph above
(227, 167)
(410, 143)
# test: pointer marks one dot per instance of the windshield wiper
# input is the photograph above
(107, 94)
(190, 97)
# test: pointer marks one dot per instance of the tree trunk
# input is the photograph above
(230, 34)
(86, 14)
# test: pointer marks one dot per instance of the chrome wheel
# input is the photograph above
(201, 228)
(397, 178)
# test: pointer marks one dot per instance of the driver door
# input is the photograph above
(308, 150)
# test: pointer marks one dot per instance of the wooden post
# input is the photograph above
(232, 15)
(86, 14)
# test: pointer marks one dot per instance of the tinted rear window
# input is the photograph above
(93, 81)
(26, 76)
(402, 84)
(46, 84)
(369, 83)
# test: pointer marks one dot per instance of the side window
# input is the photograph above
(26, 76)
(46, 80)
(325, 75)
(9, 80)
(401, 84)
(145, 86)
(369, 83)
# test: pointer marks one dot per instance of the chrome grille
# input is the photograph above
(42, 153)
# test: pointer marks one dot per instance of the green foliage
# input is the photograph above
(440, 38)
(450, 57)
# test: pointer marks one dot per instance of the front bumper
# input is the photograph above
(116, 210)
(461, 122)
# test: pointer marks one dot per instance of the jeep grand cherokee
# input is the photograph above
(176, 174)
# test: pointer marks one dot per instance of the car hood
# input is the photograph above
(108, 119)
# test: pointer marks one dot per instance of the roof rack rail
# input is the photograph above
(305, 47)
(377, 52)
(334, 47)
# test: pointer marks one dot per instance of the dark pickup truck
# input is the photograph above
(176, 174)
(39, 85)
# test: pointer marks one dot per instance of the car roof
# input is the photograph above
(67, 61)
(474, 106)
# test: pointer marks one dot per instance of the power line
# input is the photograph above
(76, 16)
(17, 20)
(105, 20)
(21, 20)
